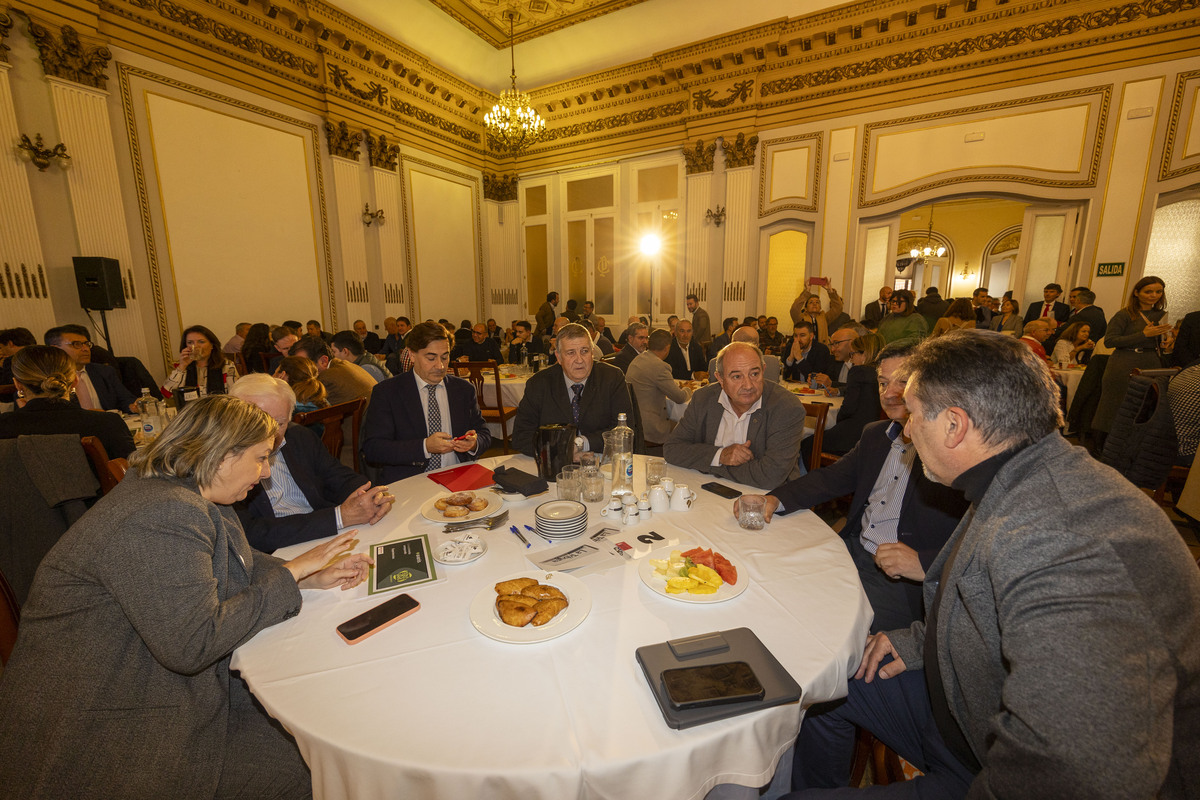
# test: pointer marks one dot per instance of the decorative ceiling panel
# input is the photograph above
(533, 18)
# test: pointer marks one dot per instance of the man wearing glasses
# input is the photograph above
(98, 387)
(840, 347)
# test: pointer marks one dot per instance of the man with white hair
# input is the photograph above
(310, 494)
(741, 427)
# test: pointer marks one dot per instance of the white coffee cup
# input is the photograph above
(631, 515)
(660, 501)
(681, 499)
(668, 485)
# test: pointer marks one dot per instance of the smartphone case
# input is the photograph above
(739, 644)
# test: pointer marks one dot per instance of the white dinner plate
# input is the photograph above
(558, 512)
(658, 584)
(487, 620)
(494, 504)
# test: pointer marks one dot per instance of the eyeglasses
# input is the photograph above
(842, 341)
(80, 345)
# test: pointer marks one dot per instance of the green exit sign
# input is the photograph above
(1111, 269)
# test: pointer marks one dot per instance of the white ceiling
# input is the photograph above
(629, 35)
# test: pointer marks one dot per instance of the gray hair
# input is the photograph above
(859, 330)
(1007, 392)
(259, 385)
(733, 347)
(570, 331)
(195, 443)
(634, 327)
(1033, 325)
(1087, 296)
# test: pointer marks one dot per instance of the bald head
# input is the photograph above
(746, 334)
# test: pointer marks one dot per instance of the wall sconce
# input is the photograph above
(40, 155)
(715, 217)
(369, 216)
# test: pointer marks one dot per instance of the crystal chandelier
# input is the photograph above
(929, 249)
(512, 124)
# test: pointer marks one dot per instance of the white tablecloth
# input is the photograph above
(430, 708)
(1070, 378)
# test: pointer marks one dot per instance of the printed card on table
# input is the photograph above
(402, 563)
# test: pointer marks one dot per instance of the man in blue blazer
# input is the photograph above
(309, 494)
(99, 387)
(898, 545)
(415, 420)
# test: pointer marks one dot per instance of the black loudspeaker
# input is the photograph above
(99, 283)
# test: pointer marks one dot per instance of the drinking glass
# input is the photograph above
(588, 459)
(593, 486)
(656, 470)
(750, 512)
(569, 486)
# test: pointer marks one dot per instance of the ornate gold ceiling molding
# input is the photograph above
(740, 92)
(6, 23)
(616, 121)
(413, 112)
(701, 158)
(1186, 97)
(380, 153)
(343, 142)
(375, 92)
(68, 58)
(1095, 99)
(485, 18)
(501, 188)
(1034, 33)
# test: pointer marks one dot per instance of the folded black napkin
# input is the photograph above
(515, 480)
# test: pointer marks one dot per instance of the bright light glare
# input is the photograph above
(650, 244)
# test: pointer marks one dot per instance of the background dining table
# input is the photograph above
(431, 708)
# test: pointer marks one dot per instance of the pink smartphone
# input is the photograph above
(818, 281)
(376, 619)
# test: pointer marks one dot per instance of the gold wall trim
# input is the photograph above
(1035, 33)
(1187, 86)
(1099, 99)
(381, 153)
(501, 188)
(6, 23)
(701, 158)
(816, 140)
(473, 181)
(125, 74)
(342, 141)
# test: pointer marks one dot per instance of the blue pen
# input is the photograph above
(513, 528)
(544, 536)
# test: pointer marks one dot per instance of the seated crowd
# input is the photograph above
(980, 558)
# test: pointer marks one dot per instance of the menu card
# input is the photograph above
(401, 563)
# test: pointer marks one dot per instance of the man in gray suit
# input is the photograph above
(742, 427)
(1058, 657)
(653, 384)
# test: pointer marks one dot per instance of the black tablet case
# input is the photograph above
(739, 644)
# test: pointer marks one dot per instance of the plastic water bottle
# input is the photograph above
(151, 413)
(231, 375)
(622, 468)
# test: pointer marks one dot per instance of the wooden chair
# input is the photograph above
(333, 417)
(99, 458)
(117, 467)
(816, 412)
(239, 362)
(885, 763)
(478, 373)
(10, 618)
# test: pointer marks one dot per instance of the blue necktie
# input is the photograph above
(577, 390)
(435, 425)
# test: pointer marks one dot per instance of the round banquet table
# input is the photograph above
(430, 708)
(1070, 378)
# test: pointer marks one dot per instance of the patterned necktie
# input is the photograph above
(576, 390)
(435, 425)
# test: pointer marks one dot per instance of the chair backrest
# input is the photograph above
(10, 618)
(480, 373)
(332, 418)
(99, 458)
(639, 433)
(239, 362)
(817, 413)
(117, 467)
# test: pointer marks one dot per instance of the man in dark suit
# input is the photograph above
(310, 494)
(1082, 310)
(545, 315)
(1187, 343)
(603, 329)
(877, 309)
(424, 419)
(481, 347)
(1051, 310)
(99, 387)
(370, 339)
(523, 337)
(686, 355)
(806, 356)
(636, 336)
(983, 311)
(313, 328)
(891, 549)
(393, 349)
(574, 391)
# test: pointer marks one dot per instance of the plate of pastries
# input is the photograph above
(461, 506)
(530, 606)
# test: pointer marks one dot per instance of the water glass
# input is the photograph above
(656, 470)
(593, 486)
(569, 486)
(588, 459)
(750, 512)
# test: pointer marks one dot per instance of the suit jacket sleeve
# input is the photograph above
(837, 480)
(391, 433)
(688, 446)
(325, 482)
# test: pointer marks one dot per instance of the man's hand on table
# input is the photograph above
(899, 561)
(770, 503)
(879, 646)
(367, 504)
(735, 455)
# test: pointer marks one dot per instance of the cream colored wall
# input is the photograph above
(444, 217)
